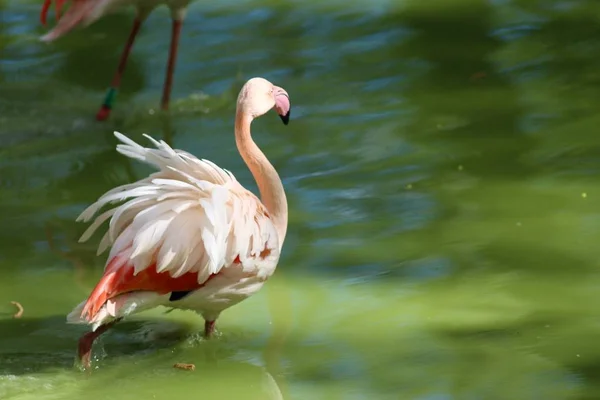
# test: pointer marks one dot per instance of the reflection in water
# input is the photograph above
(280, 309)
(20, 371)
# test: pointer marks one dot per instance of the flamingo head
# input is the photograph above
(258, 96)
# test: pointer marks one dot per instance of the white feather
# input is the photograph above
(189, 216)
(125, 213)
(96, 224)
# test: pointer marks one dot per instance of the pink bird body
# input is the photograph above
(189, 236)
(85, 12)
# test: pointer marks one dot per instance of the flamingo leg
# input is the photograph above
(176, 31)
(87, 341)
(104, 111)
(209, 328)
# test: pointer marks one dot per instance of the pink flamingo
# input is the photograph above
(84, 12)
(190, 236)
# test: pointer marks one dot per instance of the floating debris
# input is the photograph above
(187, 367)
(20, 309)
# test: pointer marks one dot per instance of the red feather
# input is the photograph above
(118, 278)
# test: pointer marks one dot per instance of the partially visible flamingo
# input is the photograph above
(84, 12)
(190, 237)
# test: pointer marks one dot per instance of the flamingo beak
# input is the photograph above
(282, 104)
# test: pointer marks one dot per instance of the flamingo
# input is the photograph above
(190, 236)
(85, 12)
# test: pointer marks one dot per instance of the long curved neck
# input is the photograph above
(269, 184)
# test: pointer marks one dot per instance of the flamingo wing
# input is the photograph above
(79, 12)
(178, 228)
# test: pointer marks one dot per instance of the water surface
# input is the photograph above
(441, 167)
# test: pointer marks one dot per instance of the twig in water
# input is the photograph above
(20, 309)
(187, 367)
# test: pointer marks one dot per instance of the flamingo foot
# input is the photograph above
(106, 107)
(86, 342)
(103, 113)
(209, 328)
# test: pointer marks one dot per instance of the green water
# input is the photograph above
(441, 168)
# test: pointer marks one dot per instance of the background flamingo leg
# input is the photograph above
(177, 23)
(106, 107)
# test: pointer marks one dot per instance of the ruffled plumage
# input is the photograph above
(189, 217)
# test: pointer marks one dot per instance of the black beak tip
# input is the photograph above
(285, 118)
